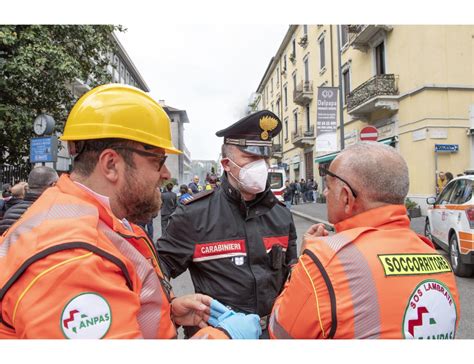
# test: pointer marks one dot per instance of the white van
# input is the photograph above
(277, 178)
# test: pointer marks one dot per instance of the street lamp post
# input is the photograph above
(341, 99)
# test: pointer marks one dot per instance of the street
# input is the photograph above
(183, 285)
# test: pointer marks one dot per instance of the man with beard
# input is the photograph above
(238, 241)
(76, 265)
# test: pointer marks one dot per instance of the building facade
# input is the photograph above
(178, 164)
(414, 84)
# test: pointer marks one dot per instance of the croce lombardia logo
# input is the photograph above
(430, 313)
(86, 316)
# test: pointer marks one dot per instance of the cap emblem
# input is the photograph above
(267, 123)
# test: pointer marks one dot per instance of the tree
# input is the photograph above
(37, 66)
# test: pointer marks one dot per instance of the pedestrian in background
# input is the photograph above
(303, 190)
(309, 190)
(315, 192)
(169, 203)
(375, 278)
(39, 179)
(287, 194)
(441, 182)
(296, 188)
(449, 177)
(6, 195)
(184, 194)
(18, 192)
(195, 186)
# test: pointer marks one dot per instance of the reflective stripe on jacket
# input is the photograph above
(380, 281)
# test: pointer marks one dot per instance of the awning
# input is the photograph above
(389, 141)
(325, 158)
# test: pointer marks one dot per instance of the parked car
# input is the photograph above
(450, 224)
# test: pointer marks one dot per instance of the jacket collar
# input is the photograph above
(32, 195)
(66, 185)
(385, 217)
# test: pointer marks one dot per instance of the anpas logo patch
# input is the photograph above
(430, 313)
(86, 316)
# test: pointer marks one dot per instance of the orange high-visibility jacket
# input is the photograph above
(375, 278)
(70, 269)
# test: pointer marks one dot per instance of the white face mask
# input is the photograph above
(253, 176)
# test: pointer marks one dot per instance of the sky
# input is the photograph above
(208, 70)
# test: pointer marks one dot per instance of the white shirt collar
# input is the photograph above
(105, 200)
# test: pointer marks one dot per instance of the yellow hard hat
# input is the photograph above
(119, 111)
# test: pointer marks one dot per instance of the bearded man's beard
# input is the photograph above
(139, 206)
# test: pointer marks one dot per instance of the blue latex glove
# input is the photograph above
(218, 313)
(238, 325)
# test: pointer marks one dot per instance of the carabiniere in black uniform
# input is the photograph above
(237, 252)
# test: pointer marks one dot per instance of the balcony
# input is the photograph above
(303, 93)
(303, 137)
(378, 93)
(277, 151)
(361, 36)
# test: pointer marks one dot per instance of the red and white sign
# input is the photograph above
(218, 250)
(369, 133)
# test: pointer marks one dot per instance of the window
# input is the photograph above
(295, 117)
(278, 108)
(278, 76)
(275, 179)
(272, 107)
(285, 91)
(294, 47)
(305, 29)
(308, 119)
(294, 81)
(284, 63)
(462, 192)
(444, 198)
(286, 129)
(346, 84)
(322, 54)
(344, 35)
(380, 59)
(306, 70)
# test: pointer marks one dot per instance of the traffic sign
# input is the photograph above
(44, 149)
(369, 133)
(450, 148)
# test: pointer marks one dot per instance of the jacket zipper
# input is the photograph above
(248, 260)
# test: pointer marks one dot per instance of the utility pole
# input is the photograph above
(341, 98)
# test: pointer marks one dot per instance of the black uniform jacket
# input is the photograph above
(237, 253)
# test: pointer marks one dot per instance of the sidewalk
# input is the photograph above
(317, 213)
